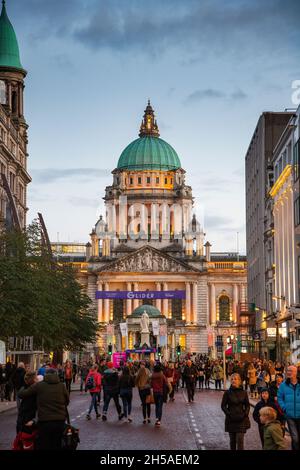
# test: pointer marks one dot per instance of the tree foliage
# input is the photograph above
(40, 297)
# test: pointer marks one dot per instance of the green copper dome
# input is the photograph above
(149, 153)
(149, 309)
(9, 49)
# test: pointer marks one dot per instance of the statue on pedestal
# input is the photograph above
(145, 332)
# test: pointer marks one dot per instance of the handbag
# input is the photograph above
(150, 399)
(70, 438)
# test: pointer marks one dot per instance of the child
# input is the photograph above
(273, 437)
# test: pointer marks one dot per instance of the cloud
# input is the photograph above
(216, 221)
(212, 94)
(50, 175)
(85, 202)
(199, 95)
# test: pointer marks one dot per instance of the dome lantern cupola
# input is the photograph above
(149, 125)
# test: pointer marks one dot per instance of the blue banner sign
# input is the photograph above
(147, 294)
(147, 351)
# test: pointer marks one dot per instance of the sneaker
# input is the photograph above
(157, 423)
(88, 417)
(98, 416)
(121, 416)
(148, 420)
(144, 421)
(104, 418)
(129, 419)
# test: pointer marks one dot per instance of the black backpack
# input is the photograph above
(90, 384)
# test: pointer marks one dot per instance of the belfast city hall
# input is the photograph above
(148, 253)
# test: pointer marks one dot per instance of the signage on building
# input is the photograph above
(155, 327)
(148, 294)
(124, 329)
(271, 332)
(118, 357)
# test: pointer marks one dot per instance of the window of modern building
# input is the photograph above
(297, 211)
(224, 308)
(296, 160)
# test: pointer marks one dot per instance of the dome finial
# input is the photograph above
(149, 125)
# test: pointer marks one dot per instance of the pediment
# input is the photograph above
(148, 259)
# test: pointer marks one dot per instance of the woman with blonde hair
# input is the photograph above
(142, 381)
(236, 406)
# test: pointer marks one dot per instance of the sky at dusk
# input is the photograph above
(210, 69)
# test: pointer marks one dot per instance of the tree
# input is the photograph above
(40, 297)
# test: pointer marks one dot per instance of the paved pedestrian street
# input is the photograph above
(199, 425)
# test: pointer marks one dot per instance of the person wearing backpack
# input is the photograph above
(93, 385)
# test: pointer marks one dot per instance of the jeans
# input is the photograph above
(144, 392)
(93, 403)
(68, 384)
(201, 382)
(236, 440)
(190, 387)
(159, 400)
(50, 435)
(126, 395)
(107, 398)
(294, 428)
(218, 384)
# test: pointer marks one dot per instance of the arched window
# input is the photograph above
(224, 308)
(2, 92)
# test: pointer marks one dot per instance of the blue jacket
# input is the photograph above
(288, 397)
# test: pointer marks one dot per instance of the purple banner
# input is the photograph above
(147, 294)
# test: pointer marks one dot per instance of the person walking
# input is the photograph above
(52, 401)
(170, 376)
(217, 374)
(190, 377)
(265, 400)
(273, 437)
(2, 382)
(26, 420)
(68, 375)
(288, 397)
(111, 390)
(236, 406)
(142, 381)
(200, 374)
(207, 373)
(83, 373)
(93, 385)
(18, 380)
(126, 384)
(158, 382)
(252, 378)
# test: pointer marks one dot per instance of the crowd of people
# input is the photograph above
(42, 397)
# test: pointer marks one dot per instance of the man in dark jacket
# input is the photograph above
(18, 380)
(111, 390)
(52, 402)
(190, 376)
(26, 421)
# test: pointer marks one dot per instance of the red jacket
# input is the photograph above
(158, 380)
(97, 381)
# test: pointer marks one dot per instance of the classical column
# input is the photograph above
(158, 301)
(166, 303)
(106, 305)
(213, 317)
(195, 302)
(154, 222)
(235, 303)
(136, 301)
(100, 304)
(187, 302)
(128, 301)
(122, 222)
